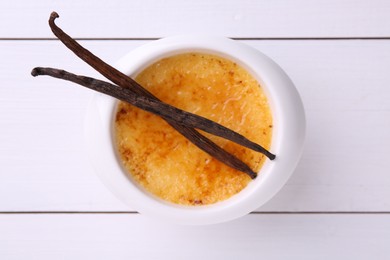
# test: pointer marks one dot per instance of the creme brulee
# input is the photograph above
(164, 162)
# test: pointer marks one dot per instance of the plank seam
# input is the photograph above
(235, 38)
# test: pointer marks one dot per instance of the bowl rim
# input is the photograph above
(287, 140)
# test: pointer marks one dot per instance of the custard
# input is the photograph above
(164, 162)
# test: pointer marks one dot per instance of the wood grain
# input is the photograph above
(251, 237)
(153, 18)
(44, 167)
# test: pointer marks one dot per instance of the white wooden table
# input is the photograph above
(335, 206)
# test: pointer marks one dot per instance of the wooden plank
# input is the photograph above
(153, 18)
(252, 237)
(43, 165)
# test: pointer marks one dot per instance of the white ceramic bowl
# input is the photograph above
(287, 142)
